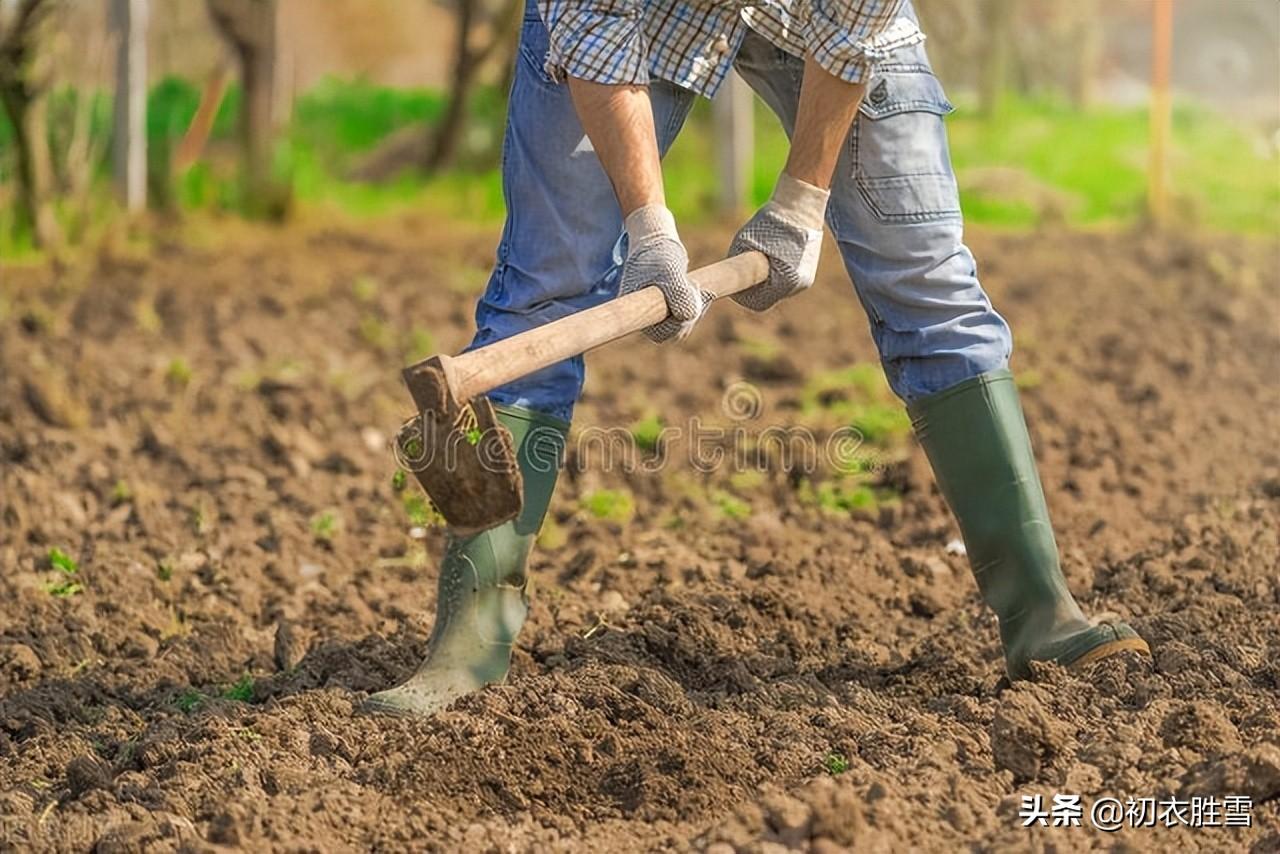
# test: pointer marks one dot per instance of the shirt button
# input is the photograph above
(721, 45)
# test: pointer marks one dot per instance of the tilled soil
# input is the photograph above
(732, 659)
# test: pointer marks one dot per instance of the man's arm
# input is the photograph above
(827, 107)
(618, 120)
(846, 37)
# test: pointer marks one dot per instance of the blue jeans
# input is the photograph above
(894, 211)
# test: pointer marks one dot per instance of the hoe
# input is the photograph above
(462, 456)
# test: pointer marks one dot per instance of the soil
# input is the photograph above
(203, 429)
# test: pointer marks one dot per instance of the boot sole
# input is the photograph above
(1110, 648)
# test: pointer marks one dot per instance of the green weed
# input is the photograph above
(63, 562)
(326, 525)
(421, 512)
(241, 690)
(178, 373)
(419, 345)
(647, 432)
(609, 505)
(188, 700)
(730, 505)
(399, 480)
(164, 570)
(120, 493)
(63, 589)
(365, 288)
(835, 763)
(376, 333)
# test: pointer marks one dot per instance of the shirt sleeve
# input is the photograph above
(849, 37)
(601, 41)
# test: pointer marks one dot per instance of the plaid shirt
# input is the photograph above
(692, 42)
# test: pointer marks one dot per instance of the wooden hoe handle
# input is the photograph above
(486, 368)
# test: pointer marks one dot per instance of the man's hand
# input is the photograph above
(788, 230)
(619, 122)
(655, 256)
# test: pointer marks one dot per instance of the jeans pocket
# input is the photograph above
(901, 163)
(534, 44)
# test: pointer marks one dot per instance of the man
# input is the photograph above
(601, 89)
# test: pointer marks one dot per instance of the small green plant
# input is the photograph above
(63, 589)
(63, 562)
(730, 505)
(120, 493)
(610, 505)
(325, 526)
(146, 316)
(881, 423)
(843, 496)
(747, 480)
(647, 432)
(365, 288)
(421, 512)
(199, 520)
(375, 332)
(399, 479)
(835, 763)
(164, 570)
(248, 734)
(419, 345)
(188, 700)
(241, 690)
(474, 435)
(1028, 379)
(178, 374)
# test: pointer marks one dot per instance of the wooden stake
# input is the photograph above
(129, 18)
(1161, 111)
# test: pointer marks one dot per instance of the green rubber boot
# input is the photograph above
(481, 603)
(976, 440)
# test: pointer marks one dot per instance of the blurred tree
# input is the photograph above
(25, 76)
(470, 54)
(250, 27)
(997, 21)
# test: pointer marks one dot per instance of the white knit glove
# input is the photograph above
(788, 230)
(655, 256)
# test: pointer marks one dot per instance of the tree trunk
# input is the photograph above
(250, 27)
(997, 22)
(24, 81)
(467, 62)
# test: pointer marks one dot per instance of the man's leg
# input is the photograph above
(895, 214)
(560, 252)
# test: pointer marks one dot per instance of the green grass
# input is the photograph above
(1091, 164)
(835, 763)
(859, 397)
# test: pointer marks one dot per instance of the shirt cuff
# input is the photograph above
(850, 55)
(596, 46)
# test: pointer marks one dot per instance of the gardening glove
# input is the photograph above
(788, 230)
(655, 256)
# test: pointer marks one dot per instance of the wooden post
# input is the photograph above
(732, 113)
(129, 20)
(1161, 109)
